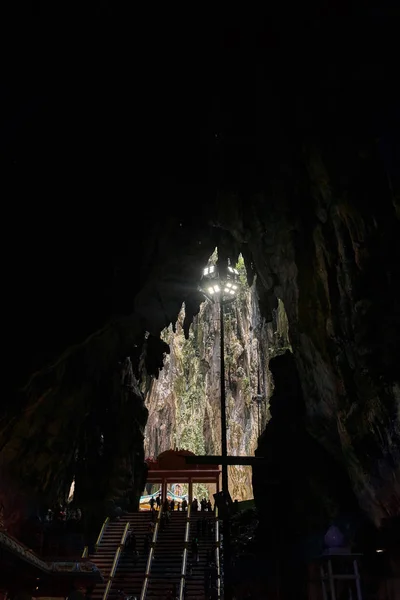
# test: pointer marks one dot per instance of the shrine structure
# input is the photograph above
(171, 467)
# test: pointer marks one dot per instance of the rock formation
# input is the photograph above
(184, 402)
(279, 143)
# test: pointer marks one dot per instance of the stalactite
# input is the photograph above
(191, 374)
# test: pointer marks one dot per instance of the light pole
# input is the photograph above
(220, 284)
(259, 399)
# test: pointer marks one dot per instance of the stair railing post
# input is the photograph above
(217, 547)
(102, 530)
(115, 562)
(150, 557)
(184, 557)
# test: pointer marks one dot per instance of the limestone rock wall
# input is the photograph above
(82, 427)
(184, 402)
(289, 155)
(334, 265)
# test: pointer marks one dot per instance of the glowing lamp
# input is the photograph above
(218, 285)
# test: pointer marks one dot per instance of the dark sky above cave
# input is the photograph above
(113, 119)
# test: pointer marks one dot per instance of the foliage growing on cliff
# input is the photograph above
(190, 380)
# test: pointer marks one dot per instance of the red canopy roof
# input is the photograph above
(174, 460)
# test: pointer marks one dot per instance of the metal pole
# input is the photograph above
(224, 446)
(224, 453)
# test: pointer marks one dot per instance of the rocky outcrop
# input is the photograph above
(60, 438)
(184, 402)
(295, 165)
(334, 270)
(333, 263)
(300, 486)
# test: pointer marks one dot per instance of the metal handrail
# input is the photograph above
(217, 546)
(184, 558)
(150, 558)
(85, 552)
(115, 562)
(103, 527)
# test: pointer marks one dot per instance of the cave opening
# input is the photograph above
(184, 400)
(282, 148)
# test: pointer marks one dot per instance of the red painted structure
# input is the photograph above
(170, 466)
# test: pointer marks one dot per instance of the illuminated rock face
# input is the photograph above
(341, 307)
(330, 255)
(327, 254)
(298, 171)
(184, 402)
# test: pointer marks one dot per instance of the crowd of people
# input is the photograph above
(54, 531)
(204, 505)
(204, 527)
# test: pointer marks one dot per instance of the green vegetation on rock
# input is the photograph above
(184, 403)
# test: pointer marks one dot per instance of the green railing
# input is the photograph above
(115, 562)
(85, 552)
(150, 558)
(103, 527)
(217, 557)
(184, 558)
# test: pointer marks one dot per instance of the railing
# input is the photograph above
(115, 562)
(150, 558)
(8, 541)
(85, 552)
(217, 546)
(103, 527)
(184, 558)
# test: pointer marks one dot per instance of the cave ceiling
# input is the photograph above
(126, 167)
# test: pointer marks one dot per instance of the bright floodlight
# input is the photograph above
(221, 285)
(208, 270)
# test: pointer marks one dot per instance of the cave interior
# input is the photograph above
(121, 177)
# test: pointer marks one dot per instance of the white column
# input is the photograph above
(190, 491)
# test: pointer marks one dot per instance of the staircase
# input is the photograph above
(167, 562)
(128, 577)
(195, 582)
(104, 557)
